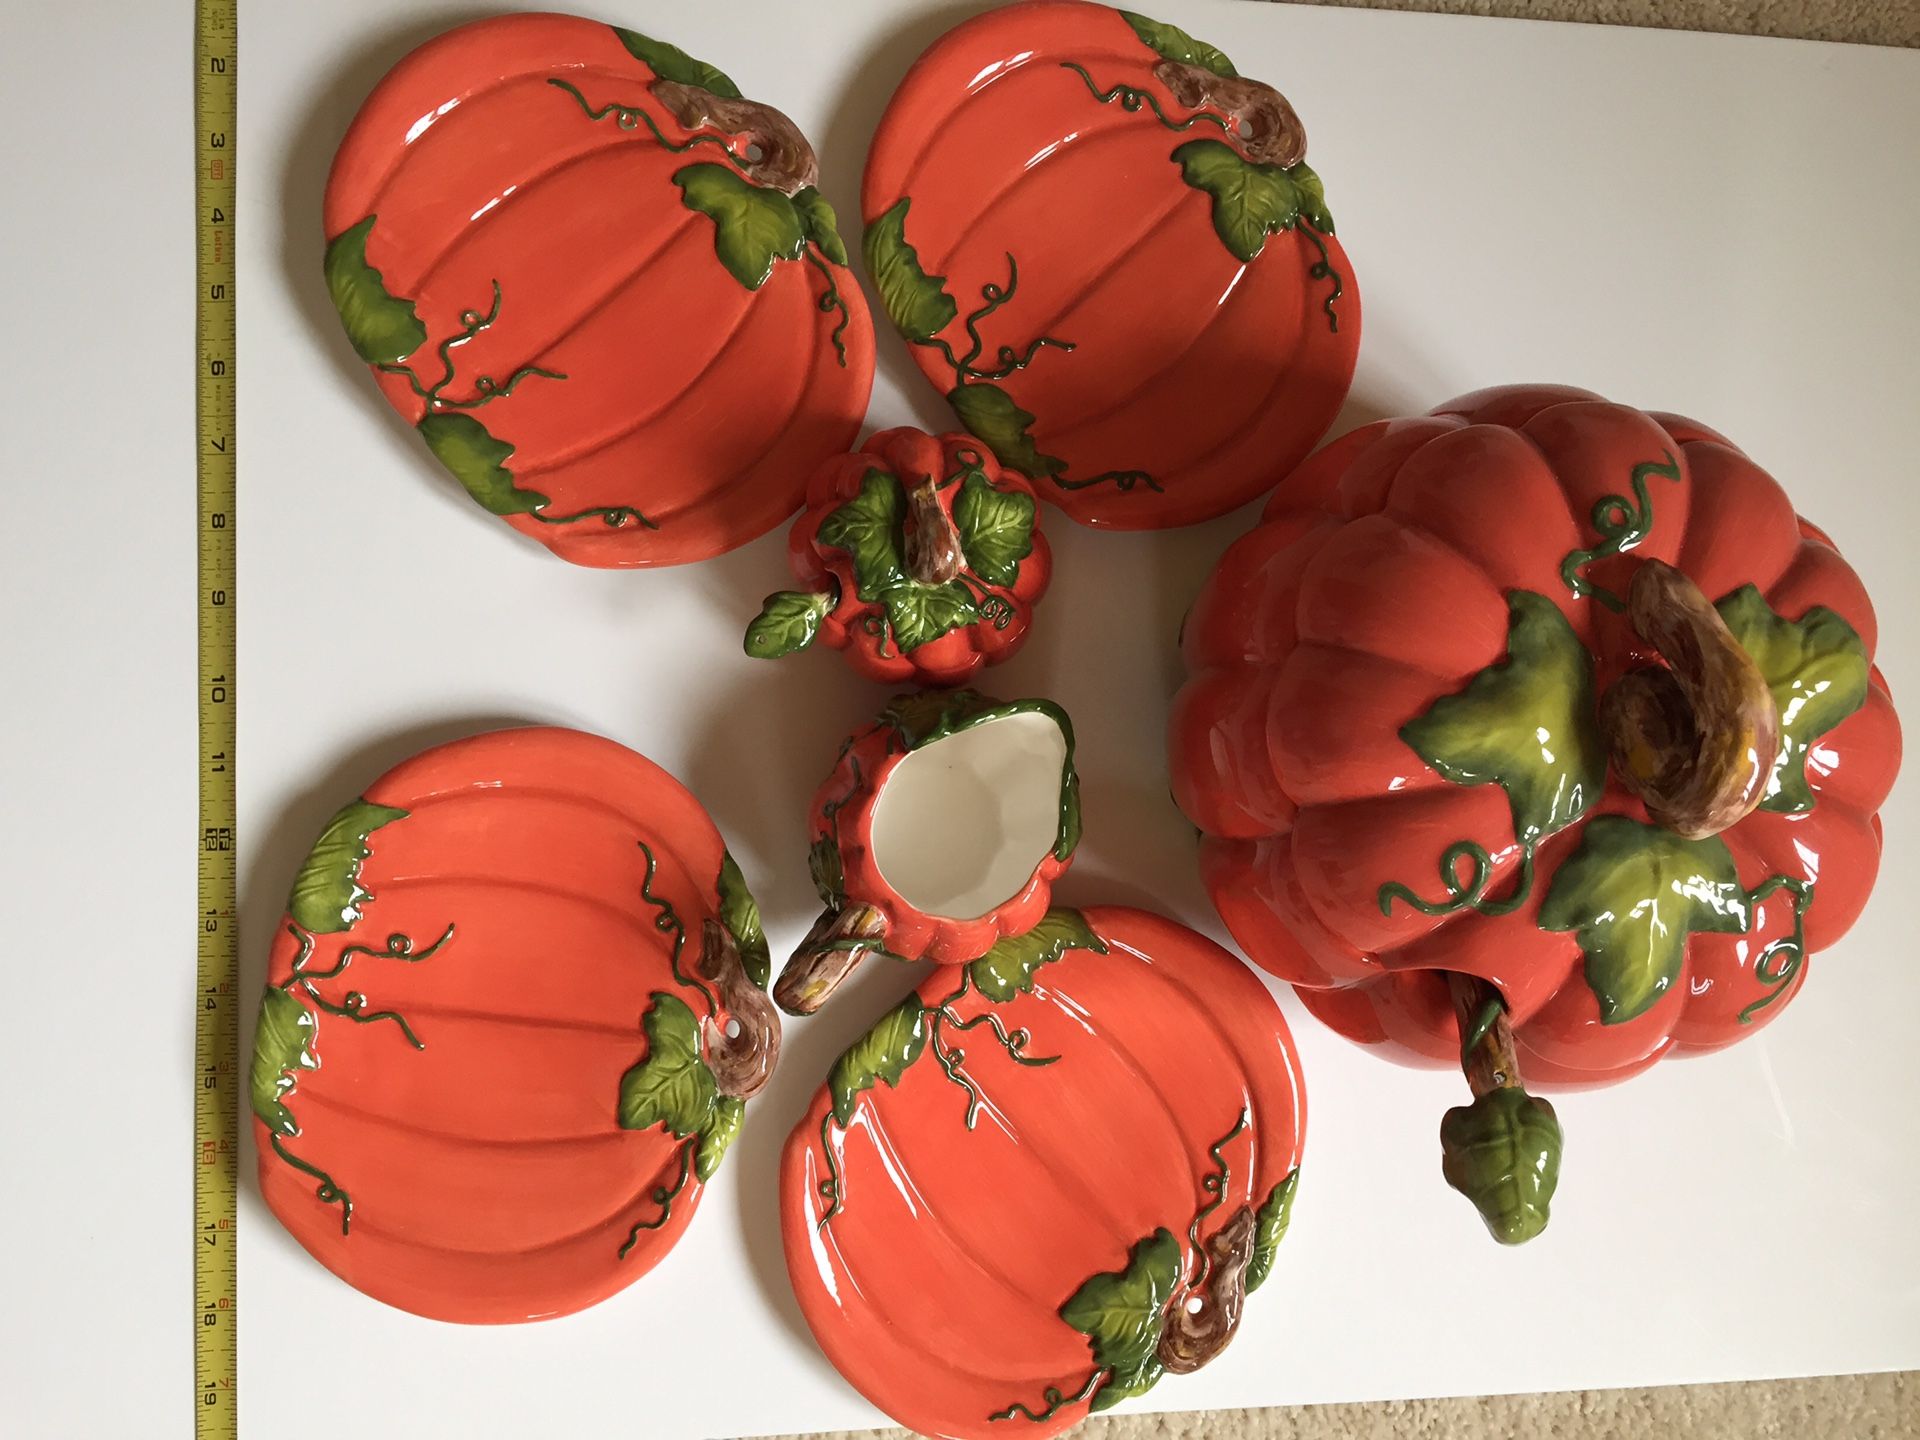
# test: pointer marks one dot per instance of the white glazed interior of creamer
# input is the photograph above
(961, 824)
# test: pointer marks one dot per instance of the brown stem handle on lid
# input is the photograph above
(933, 544)
(838, 941)
(1697, 739)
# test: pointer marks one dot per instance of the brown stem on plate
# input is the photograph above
(1196, 1333)
(838, 941)
(933, 544)
(1265, 128)
(743, 1049)
(1503, 1151)
(785, 161)
(1696, 740)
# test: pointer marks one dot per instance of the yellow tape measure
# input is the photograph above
(216, 1110)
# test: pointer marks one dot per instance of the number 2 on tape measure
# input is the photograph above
(216, 1020)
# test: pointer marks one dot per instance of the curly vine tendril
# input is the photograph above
(1621, 523)
(616, 516)
(1780, 960)
(1465, 892)
(327, 1192)
(1214, 1185)
(1133, 101)
(830, 1188)
(1121, 480)
(830, 301)
(629, 117)
(663, 1196)
(400, 947)
(952, 1062)
(667, 921)
(1322, 269)
(1056, 1400)
(992, 298)
(485, 388)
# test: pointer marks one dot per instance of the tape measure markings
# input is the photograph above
(216, 1022)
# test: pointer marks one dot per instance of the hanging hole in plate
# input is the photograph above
(1195, 1304)
(733, 1029)
(754, 153)
(1243, 128)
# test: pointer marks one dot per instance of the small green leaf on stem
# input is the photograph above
(1503, 1153)
(788, 621)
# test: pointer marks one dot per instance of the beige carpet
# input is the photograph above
(1847, 1407)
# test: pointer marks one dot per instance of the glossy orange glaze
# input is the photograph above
(935, 1289)
(1376, 583)
(842, 819)
(686, 396)
(489, 1178)
(1213, 376)
(853, 626)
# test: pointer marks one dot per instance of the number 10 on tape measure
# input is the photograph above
(216, 1019)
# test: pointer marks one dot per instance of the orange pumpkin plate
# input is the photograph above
(1106, 249)
(512, 1016)
(1046, 1178)
(602, 286)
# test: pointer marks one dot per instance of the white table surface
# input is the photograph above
(1714, 225)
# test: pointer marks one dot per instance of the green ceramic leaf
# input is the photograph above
(788, 621)
(672, 1086)
(1816, 667)
(824, 865)
(996, 529)
(1170, 42)
(868, 528)
(821, 224)
(919, 614)
(923, 715)
(326, 891)
(1270, 1228)
(1525, 723)
(753, 226)
(1118, 1386)
(1633, 893)
(883, 1053)
(718, 1136)
(740, 913)
(1124, 1312)
(1250, 201)
(670, 62)
(916, 302)
(282, 1044)
(1313, 198)
(383, 328)
(1007, 969)
(479, 462)
(1068, 839)
(1503, 1153)
(989, 412)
